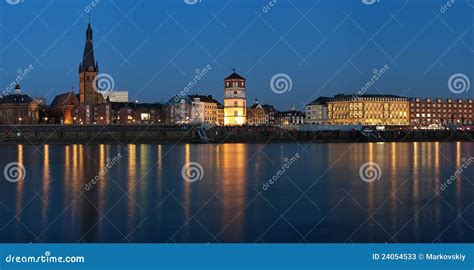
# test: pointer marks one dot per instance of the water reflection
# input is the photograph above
(402, 203)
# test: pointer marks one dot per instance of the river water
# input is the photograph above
(324, 192)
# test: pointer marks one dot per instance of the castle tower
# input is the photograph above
(88, 70)
(235, 104)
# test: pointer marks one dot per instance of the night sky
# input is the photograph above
(153, 48)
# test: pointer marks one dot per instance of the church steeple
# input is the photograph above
(88, 62)
(88, 72)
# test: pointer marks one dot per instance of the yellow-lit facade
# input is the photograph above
(368, 110)
(235, 103)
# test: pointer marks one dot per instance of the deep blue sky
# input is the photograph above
(154, 52)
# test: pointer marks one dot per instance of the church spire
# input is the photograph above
(88, 62)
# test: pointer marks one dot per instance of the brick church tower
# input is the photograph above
(88, 70)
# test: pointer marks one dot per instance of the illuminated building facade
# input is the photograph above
(205, 109)
(317, 111)
(368, 110)
(18, 109)
(427, 112)
(235, 103)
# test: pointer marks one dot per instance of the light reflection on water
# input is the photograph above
(320, 198)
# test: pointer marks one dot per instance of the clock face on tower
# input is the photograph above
(91, 68)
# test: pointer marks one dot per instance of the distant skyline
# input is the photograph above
(153, 48)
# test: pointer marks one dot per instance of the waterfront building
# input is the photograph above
(115, 96)
(291, 117)
(204, 109)
(260, 114)
(368, 109)
(220, 114)
(317, 111)
(127, 113)
(88, 72)
(82, 114)
(235, 107)
(17, 109)
(61, 109)
(148, 113)
(103, 113)
(437, 112)
(178, 110)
